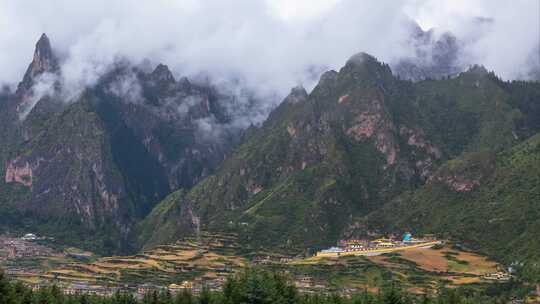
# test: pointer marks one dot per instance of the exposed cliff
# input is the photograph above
(98, 164)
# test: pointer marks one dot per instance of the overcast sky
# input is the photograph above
(272, 44)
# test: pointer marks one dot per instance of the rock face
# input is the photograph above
(465, 174)
(44, 61)
(19, 174)
(375, 124)
(99, 164)
(71, 175)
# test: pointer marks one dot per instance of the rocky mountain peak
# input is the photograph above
(361, 59)
(162, 74)
(297, 94)
(477, 70)
(44, 61)
(364, 68)
(327, 81)
(363, 62)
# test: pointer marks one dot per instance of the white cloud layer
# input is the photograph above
(271, 45)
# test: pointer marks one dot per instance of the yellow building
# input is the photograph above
(175, 288)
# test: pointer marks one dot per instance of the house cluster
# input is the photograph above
(364, 247)
(84, 287)
(14, 248)
(272, 259)
(498, 276)
(193, 287)
(306, 284)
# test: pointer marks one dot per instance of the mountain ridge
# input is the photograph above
(129, 161)
(89, 165)
(364, 137)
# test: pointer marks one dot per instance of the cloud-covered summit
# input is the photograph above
(270, 46)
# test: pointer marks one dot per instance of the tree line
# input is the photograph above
(253, 286)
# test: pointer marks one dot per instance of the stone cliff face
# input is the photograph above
(375, 124)
(69, 171)
(465, 174)
(19, 173)
(103, 161)
(43, 62)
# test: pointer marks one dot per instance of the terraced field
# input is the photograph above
(417, 270)
(207, 257)
(214, 256)
(430, 267)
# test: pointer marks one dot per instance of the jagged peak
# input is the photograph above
(361, 59)
(162, 73)
(43, 43)
(328, 76)
(477, 72)
(299, 89)
(44, 61)
(477, 69)
(297, 94)
(365, 61)
(184, 82)
(326, 82)
(364, 66)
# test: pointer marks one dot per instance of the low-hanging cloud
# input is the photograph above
(268, 45)
(44, 86)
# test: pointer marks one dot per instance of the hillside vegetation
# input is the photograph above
(499, 216)
(368, 152)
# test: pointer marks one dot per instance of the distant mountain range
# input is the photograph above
(142, 158)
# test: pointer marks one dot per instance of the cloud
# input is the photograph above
(270, 46)
(44, 86)
(502, 35)
(127, 87)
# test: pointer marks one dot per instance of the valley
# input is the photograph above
(209, 259)
(152, 181)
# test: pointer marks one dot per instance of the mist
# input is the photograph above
(268, 46)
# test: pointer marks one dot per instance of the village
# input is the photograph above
(365, 247)
(86, 287)
(13, 248)
(22, 259)
(206, 261)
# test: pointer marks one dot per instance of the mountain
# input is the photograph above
(97, 164)
(142, 157)
(489, 201)
(44, 61)
(324, 161)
